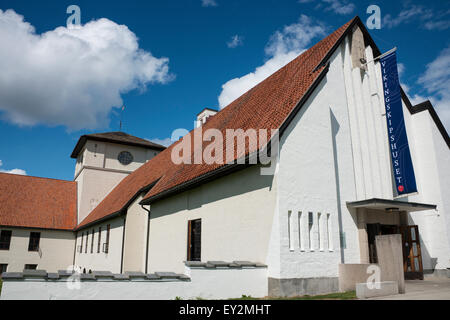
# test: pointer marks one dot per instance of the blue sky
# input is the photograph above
(196, 53)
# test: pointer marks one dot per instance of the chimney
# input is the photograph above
(203, 116)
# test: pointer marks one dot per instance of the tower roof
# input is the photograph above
(118, 137)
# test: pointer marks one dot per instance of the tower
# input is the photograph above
(103, 160)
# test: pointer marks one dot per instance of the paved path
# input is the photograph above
(429, 289)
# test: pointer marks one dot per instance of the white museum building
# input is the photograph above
(337, 184)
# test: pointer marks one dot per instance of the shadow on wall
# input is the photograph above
(236, 183)
(334, 131)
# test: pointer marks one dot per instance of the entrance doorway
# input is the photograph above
(412, 256)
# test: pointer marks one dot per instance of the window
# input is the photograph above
(87, 240)
(300, 231)
(5, 239)
(81, 246)
(92, 241)
(125, 158)
(33, 245)
(290, 231)
(329, 233)
(310, 230)
(99, 239)
(319, 233)
(30, 266)
(194, 240)
(106, 244)
(3, 268)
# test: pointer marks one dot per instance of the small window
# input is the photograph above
(35, 238)
(194, 240)
(30, 266)
(99, 239)
(3, 268)
(106, 244)
(319, 232)
(81, 245)
(5, 239)
(290, 231)
(300, 231)
(92, 241)
(87, 240)
(310, 229)
(125, 158)
(329, 233)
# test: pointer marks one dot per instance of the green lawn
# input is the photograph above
(350, 295)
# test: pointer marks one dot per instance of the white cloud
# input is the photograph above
(436, 83)
(437, 25)
(282, 48)
(13, 171)
(436, 80)
(410, 14)
(164, 142)
(71, 77)
(235, 41)
(440, 21)
(209, 3)
(401, 69)
(337, 6)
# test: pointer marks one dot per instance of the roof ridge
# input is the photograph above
(36, 177)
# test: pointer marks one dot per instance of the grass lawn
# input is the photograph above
(350, 295)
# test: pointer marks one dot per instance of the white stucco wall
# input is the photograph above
(236, 211)
(135, 246)
(101, 171)
(110, 261)
(431, 159)
(206, 284)
(307, 182)
(93, 186)
(56, 252)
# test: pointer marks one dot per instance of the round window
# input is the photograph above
(125, 158)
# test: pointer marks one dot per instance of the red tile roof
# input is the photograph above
(37, 202)
(266, 106)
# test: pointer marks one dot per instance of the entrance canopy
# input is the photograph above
(390, 205)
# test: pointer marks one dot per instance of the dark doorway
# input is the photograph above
(412, 254)
(376, 229)
(194, 240)
(412, 258)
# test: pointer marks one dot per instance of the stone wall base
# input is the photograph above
(302, 286)
(437, 273)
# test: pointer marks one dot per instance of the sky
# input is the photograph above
(167, 60)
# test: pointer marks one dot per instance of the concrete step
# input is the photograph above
(379, 289)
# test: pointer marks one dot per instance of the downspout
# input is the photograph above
(75, 251)
(123, 243)
(148, 235)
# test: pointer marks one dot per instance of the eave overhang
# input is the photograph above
(390, 205)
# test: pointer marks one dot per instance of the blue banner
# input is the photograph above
(402, 166)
